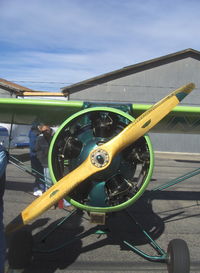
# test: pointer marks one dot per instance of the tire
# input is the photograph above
(20, 249)
(178, 257)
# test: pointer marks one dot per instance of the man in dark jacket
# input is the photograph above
(37, 168)
(3, 164)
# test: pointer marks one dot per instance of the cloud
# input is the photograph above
(64, 25)
(68, 41)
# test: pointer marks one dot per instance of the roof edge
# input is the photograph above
(13, 87)
(127, 70)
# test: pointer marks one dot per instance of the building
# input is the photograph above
(11, 90)
(17, 135)
(147, 82)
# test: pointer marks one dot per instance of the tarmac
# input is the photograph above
(69, 243)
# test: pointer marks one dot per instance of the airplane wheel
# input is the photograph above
(20, 249)
(178, 257)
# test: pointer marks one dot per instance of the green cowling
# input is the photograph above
(80, 131)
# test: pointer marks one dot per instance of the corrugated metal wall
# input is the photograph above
(4, 93)
(148, 87)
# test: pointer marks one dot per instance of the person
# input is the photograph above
(3, 164)
(42, 148)
(37, 169)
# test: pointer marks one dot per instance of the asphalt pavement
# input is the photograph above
(70, 243)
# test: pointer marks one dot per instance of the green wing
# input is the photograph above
(182, 119)
(27, 111)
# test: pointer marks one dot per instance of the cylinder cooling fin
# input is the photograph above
(125, 179)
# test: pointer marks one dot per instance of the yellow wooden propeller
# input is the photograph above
(101, 157)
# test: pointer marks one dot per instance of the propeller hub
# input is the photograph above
(99, 158)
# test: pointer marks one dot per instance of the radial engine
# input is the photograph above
(125, 179)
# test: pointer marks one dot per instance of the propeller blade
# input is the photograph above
(147, 120)
(52, 195)
(101, 157)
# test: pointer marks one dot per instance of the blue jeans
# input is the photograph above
(37, 169)
(2, 241)
(47, 178)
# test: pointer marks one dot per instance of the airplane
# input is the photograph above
(100, 158)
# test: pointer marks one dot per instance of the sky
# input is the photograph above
(48, 44)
